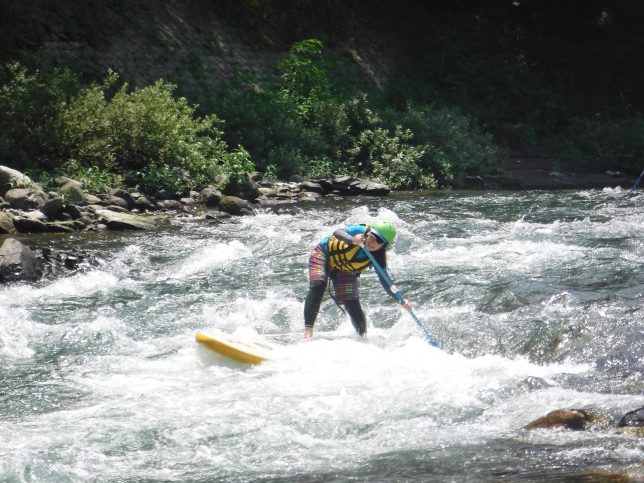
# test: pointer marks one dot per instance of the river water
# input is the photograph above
(535, 296)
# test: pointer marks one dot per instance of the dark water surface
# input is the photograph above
(535, 296)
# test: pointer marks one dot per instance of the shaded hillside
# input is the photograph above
(185, 41)
(587, 50)
(561, 78)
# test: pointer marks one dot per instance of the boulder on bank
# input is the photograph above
(26, 224)
(210, 197)
(6, 223)
(73, 193)
(124, 221)
(352, 186)
(246, 189)
(236, 206)
(25, 198)
(11, 178)
(18, 262)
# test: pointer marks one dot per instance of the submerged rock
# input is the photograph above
(576, 419)
(633, 419)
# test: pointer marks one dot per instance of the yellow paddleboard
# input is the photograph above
(245, 347)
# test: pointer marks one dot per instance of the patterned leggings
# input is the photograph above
(345, 284)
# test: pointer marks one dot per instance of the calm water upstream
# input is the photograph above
(537, 298)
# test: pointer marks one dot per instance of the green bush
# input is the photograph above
(454, 145)
(304, 79)
(30, 108)
(95, 179)
(147, 131)
(599, 143)
(389, 158)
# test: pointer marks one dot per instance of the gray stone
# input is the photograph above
(30, 225)
(246, 190)
(6, 223)
(11, 178)
(312, 187)
(125, 196)
(633, 418)
(236, 206)
(25, 198)
(53, 206)
(18, 262)
(210, 197)
(73, 193)
(125, 221)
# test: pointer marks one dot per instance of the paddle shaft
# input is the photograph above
(637, 182)
(400, 298)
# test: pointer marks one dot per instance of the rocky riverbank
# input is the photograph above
(25, 208)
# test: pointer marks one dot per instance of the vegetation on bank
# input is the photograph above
(310, 122)
(315, 119)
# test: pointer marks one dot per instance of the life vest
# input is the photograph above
(341, 256)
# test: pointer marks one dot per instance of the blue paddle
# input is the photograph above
(637, 182)
(400, 298)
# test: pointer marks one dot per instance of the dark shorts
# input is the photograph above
(345, 284)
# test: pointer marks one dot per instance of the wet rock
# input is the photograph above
(74, 194)
(125, 196)
(11, 178)
(236, 206)
(143, 203)
(37, 222)
(6, 223)
(18, 262)
(312, 187)
(25, 198)
(210, 197)
(53, 206)
(633, 419)
(124, 221)
(246, 189)
(576, 419)
(74, 211)
(351, 186)
(169, 205)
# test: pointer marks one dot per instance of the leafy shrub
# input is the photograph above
(304, 80)
(599, 143)
(30, 107)
(389, 158)
(454, 145)
(95, 179)
(146, 130)
(237, 165)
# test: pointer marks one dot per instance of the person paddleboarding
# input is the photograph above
(341, 258)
